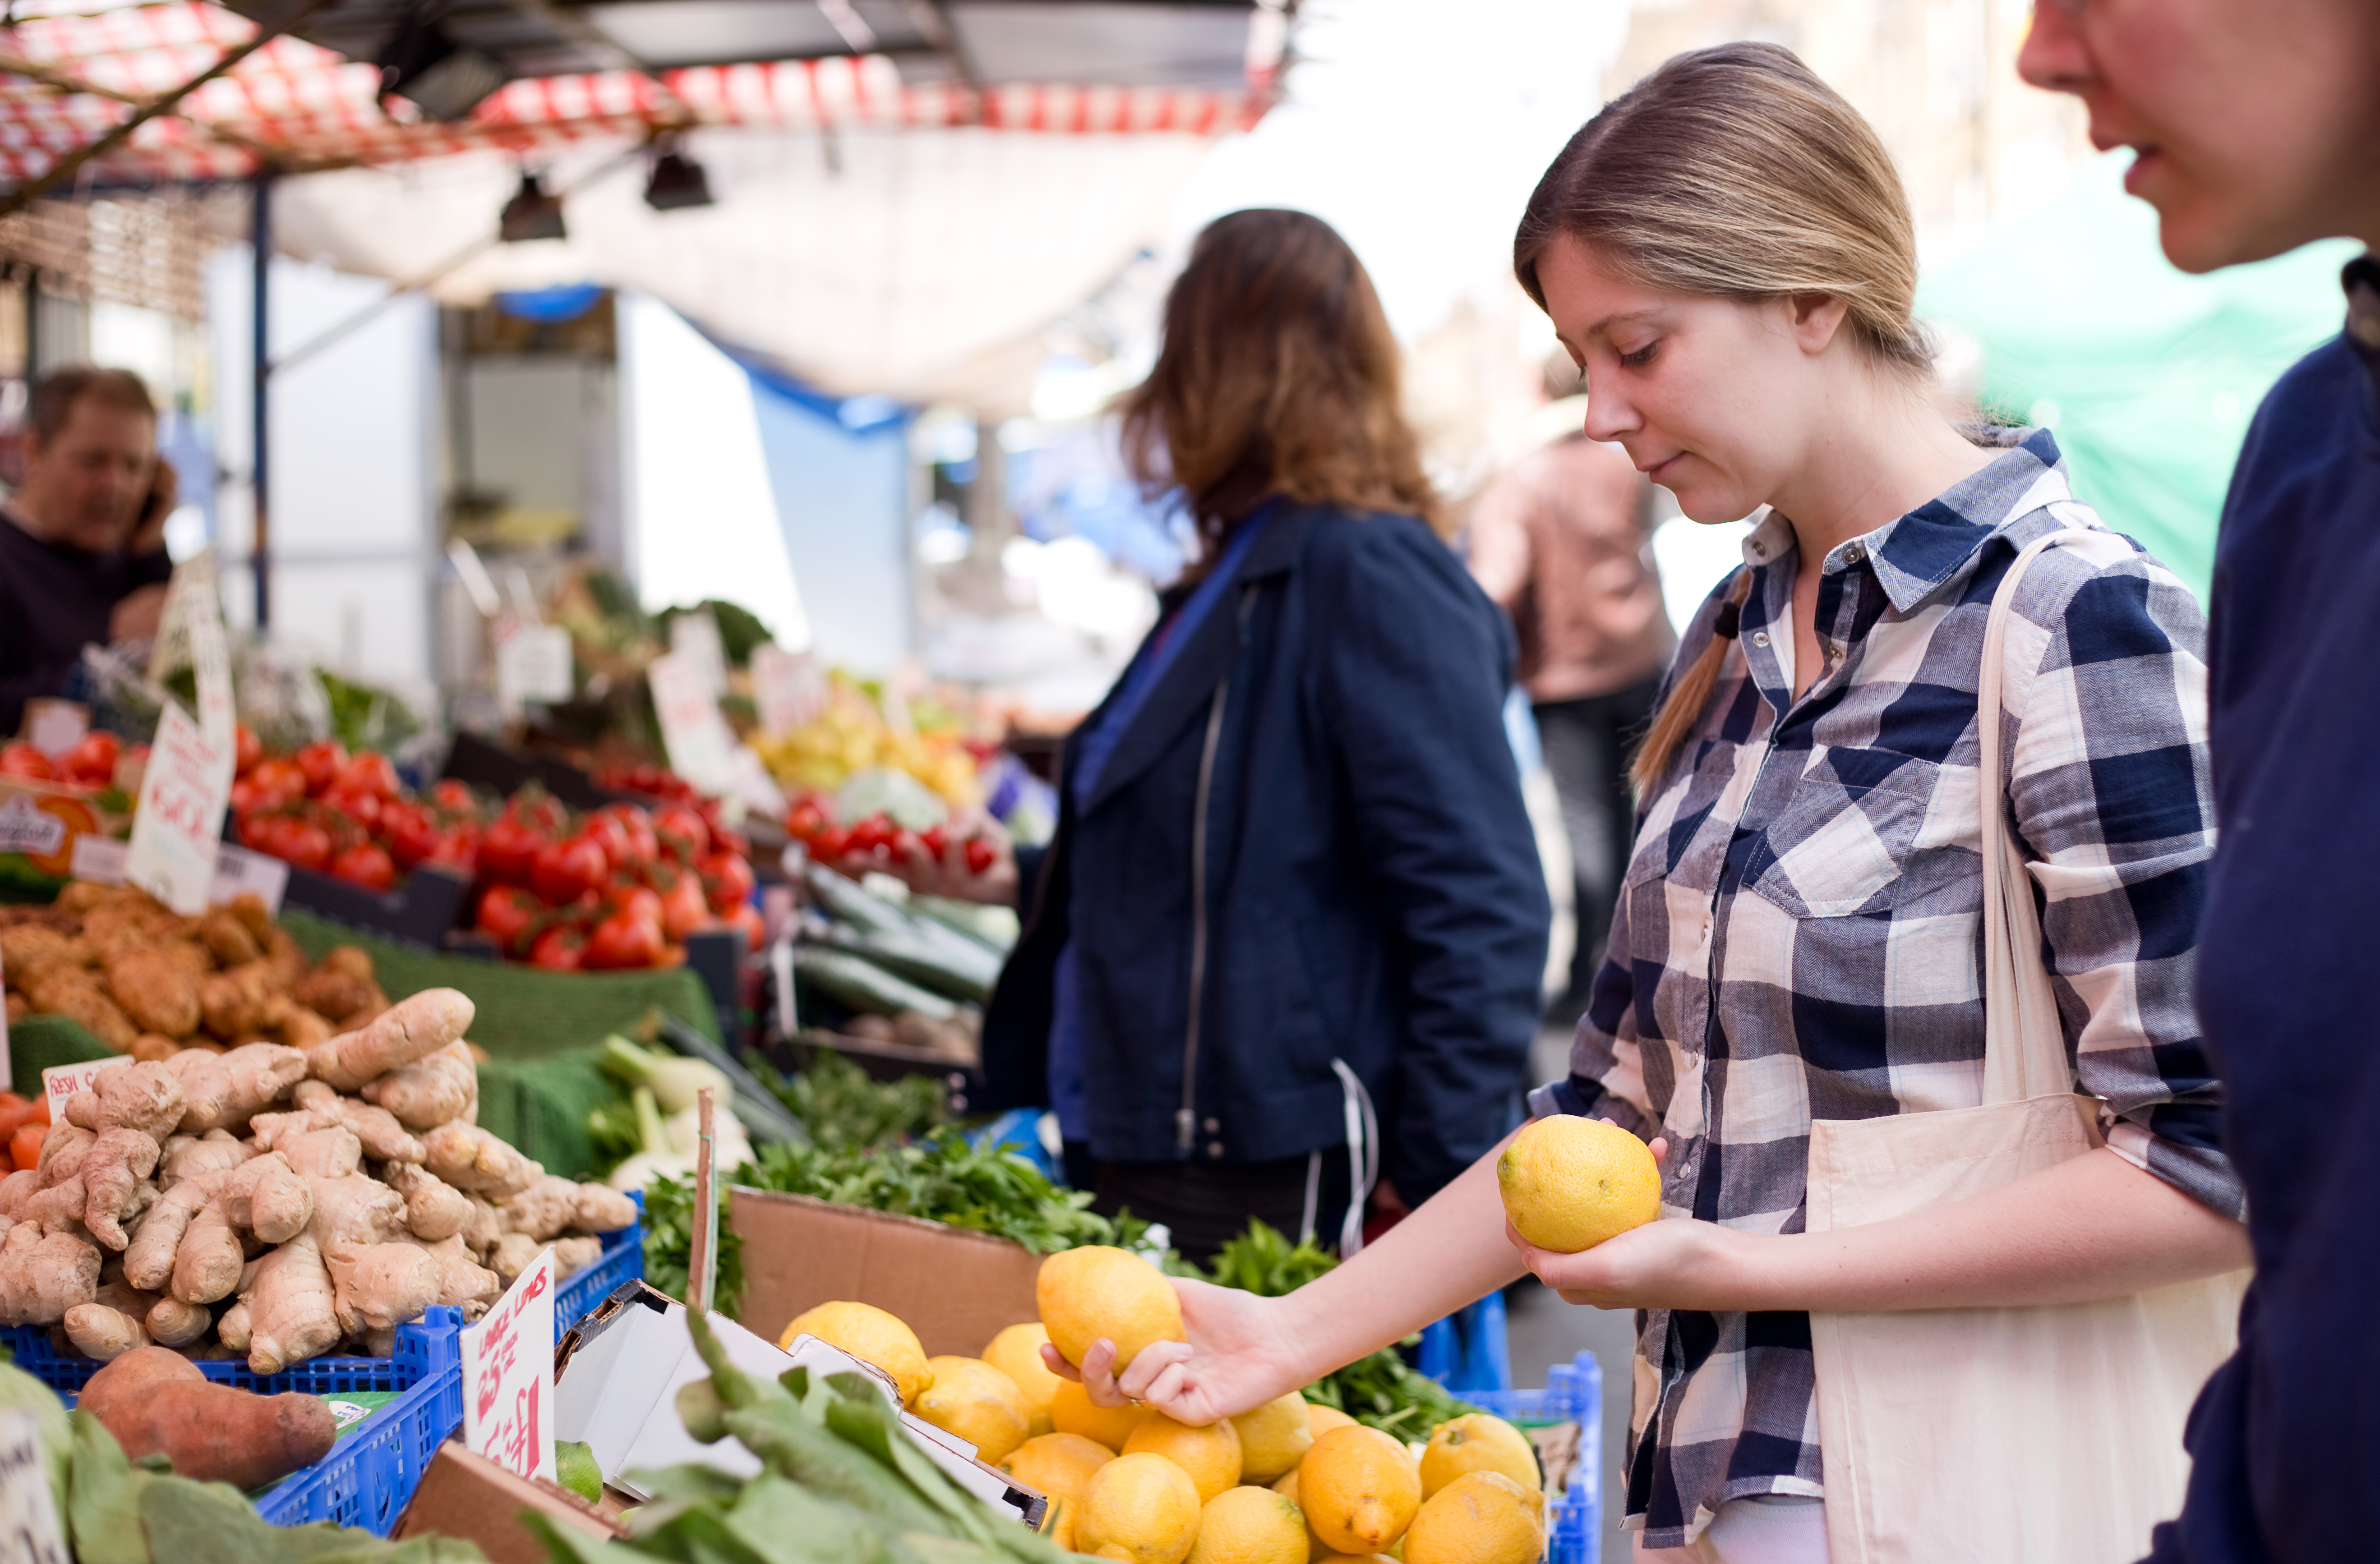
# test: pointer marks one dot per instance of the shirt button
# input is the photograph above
(1214, 1125)
(1760, 638)
(1851, 553)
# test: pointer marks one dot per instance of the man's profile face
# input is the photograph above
(85, 486)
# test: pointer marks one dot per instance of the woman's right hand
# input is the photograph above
(1242, 1354)
(989, 880)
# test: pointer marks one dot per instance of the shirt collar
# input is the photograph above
(1914, 554)
(2362, 280)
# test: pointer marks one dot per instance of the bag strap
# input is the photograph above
(2025, 1047)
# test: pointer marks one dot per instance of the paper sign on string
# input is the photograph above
(787, 688)
(533, 663)
(179, 823)
(508, 1375)
(700, 748)
(695, 634)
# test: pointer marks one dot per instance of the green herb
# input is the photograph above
(669, 1243)
(842, 1107)
(365, 717)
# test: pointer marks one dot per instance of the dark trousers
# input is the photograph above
(1207, 1203)
(1588, 744)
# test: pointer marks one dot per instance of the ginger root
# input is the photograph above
(112, 1175)
(441, 1088)
(433, 1208)
(173, 1322)
(377, 1286)
(572, 1256)
(410, 1029)
(158, 990)
(330, 1153)
(543, 1209)
(472, 1160)
(291, 1317)
(44, 1273)
(269, 1198)
(463, 1282)
(384, 1138)
(146, 1098)
(603, 1209)
(226, 1091)
(233, 1003)
(98, 1330)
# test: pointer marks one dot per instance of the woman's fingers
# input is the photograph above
(1057, 1364)
(1147, 1363)
(1660, 1148)
(1166, 1389)
(1098, 1376)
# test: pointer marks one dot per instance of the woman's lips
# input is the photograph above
(2143, 162)
(1655, 471)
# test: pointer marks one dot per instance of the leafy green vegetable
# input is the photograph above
(669, 1243)
(842, 1107)
(365, 717)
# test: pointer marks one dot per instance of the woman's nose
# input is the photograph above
(1608, 417)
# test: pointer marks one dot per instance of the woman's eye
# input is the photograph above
(1640, 358)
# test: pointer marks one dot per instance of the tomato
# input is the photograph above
(727, 880)
(245, 799)
(25, 1145)
(508, 850)
(24, 760)
(747, 918)
(307, 845)
(805, 821)
(829, 845)
(93, 759)
(539, 809)
(607, 832)
(277, 780)
(934, 842)
(683, 908)
(370, 771)
(641, 900)
(683, 833)
(367, 865)
(459, 848)
(322, 763)
(364, 808)
(449, 794)
(567, 869)
(247, 749)
(626, 939)
(980, 855)
(409, 831)
(507, 914)
(636, 827)
(559, 949)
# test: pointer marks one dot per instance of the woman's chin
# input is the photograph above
(1710, 508)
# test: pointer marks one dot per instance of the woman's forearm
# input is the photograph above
(1449, 1252)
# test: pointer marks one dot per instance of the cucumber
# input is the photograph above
(864, 986)
(969, 976)
(849, 903)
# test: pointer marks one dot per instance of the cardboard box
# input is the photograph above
(956, 1288)
(467, 1495)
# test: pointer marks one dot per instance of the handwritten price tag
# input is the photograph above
(30, 1532)
(60, 1082)
(533, 663)
(179, 822)
(700, 748)
(787, 688)
(508, 1376)
(696, 636)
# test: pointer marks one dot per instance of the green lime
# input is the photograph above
(575, 1469)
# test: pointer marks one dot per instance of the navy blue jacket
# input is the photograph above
(1372, 888)
(2285, 1438)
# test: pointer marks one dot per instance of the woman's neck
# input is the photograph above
(1881, 452)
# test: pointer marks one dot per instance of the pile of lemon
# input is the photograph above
(1286, 1484)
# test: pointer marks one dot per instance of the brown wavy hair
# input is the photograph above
(1279, 376)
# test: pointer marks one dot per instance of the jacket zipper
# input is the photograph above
(1185, 1118)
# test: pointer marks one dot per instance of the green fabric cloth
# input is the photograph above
(2146, 376)
(44, 1042)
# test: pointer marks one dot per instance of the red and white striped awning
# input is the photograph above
(302, 106)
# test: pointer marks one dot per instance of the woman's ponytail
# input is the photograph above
(1679, 713)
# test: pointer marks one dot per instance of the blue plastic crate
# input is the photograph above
(1574, 1393)
(421, 1348)
(1466, 1351)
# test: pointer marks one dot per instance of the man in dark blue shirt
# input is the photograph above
(2257, 128)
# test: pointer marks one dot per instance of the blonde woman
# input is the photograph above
(1727, 252)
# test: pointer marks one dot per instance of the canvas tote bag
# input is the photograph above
(2025, 1435)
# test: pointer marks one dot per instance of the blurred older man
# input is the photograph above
(82, 554)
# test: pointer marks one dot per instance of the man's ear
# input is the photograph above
(1816, 317)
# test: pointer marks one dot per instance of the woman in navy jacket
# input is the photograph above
(1289, 937)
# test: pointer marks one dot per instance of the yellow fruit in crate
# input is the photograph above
(1274, 1437)
(1322, 1419)
(1359, 1489)
(1246, 1525)
(1071, 1411)
(1286, 1485)
(1096, 1291)
(1140, 1509)
(1477, 1442)
(1479, 1518)
(976, 1401)
(1571, 1182)
(1016, 1352)
(1060, 1465)
(1211, 1454)
(870, 1335)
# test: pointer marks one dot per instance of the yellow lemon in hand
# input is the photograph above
(1071, 1411)
(1477, 1442)
(1569, 1182)
(1016, 1352)
(1273, 1438)
(1084, 1294)
(976, 1401)
(1211, 1454)
(1140, 1509)
(870, 1335)
(1246, 1525)
(1359, 1489)
(1479, 1518)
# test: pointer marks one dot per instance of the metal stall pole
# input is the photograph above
(261, 360)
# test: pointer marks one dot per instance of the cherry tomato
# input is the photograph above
(247, 749)
(508, 850)
(805, 821)
(288, 836)
(607, 832)
(367, 865)
(507, 913)
(364, 808)
(636, 826)
(626, 939)
(370, 771)
(92, 760)
(829, 845)
(747, 918)
(934, 842)
(727, 881)
(683, 833)
(980, 855)
(24, 760)
(683, 908)
(278, 780)
(559, 948)
(567, 869)
(450, 794)
(410, 833)
(459, 848)
(872, 833)
(245, 799)
(322, 763)
(539, 809)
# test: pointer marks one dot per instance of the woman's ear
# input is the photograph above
(1816, 318)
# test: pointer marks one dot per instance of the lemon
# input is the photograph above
(870, 1335)
(1286, 1485)
(1249, 1526)
(1016, 1352)
(1273, 1438)
(1096, 1291)
(1323, 1419)
(1058, 1524)
(1569, 1182)
(1060, 1465)
(976, 1401)
(1071, 1411)
(1359, 1489)
(1479, 1518)
(1477, 1442)
(1140, 1509)
(1211, 1454)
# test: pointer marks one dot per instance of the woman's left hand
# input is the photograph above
(1677, 1263)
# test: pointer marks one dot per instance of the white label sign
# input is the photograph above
(696, 636)
(508, 1376)
(533, 663)
(787, 688)
(60, 1082)
(179, 821)
(25, 828)
(55, 727)
(101, 860)
(700, 748)
(28, 1512)
(194, 616)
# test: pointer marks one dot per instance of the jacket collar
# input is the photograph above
(2362, 280)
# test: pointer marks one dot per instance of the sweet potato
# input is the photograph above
(156, 1403)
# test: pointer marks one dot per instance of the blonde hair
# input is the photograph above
(1734, 172)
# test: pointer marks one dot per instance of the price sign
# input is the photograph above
(700, 748)
(533, 663)
(193, 622)
(508, 1376)
(179, 821)
(787, 688)
(60, 1082)
(237, 870)
(55, 727)
(695, 634)
(30, 1532)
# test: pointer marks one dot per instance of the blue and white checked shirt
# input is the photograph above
(1800, 933)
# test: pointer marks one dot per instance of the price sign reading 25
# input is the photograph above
(508, 1369)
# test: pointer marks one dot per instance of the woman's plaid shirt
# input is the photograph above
(1799, 934)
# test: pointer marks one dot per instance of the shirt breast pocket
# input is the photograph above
(1856, 837)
